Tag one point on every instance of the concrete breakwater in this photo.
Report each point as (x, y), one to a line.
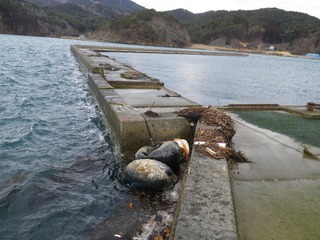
(125, 95)
(140, 111)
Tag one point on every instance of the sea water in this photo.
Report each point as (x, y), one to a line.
(58, 175)
(222, 80)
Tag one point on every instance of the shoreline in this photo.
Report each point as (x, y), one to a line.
(206, 47)
(247, 51)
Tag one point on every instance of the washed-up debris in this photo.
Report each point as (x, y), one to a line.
(158, 227)
(215, 139)
(211, 117)
(109, 67)
(193, 114)
(151, 113)
(212, 143)
(133, 75)
(168, 96)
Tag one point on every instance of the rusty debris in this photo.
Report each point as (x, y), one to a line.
(215, 140)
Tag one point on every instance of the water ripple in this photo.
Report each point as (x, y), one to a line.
(57, 170)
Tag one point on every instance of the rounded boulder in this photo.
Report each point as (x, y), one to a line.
(150, 175)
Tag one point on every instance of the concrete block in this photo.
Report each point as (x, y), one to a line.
(167, 126)
(98, 81)
(206, 203)
(207, 210)
(163, 97)
(128, 128)
(86, 64)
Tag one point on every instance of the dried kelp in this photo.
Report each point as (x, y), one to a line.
(215, 138)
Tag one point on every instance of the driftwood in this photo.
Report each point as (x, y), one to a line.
(215, 140)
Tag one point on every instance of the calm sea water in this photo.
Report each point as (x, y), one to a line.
(225, 80)
(58, 175)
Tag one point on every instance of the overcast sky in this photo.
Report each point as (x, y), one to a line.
(311, 7)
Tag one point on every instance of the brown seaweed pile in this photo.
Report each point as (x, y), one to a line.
(215, 137)
(133, 75)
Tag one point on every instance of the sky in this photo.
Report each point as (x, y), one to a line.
(311, 7)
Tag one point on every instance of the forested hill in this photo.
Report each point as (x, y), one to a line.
(124, 5)
(257, 29)
(21, 17)
(85, 17)
(126, 21)
(145, 27)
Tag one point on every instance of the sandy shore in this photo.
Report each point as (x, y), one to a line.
(211, 47)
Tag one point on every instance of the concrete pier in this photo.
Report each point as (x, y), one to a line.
(139, 111)
(125, 95)
(276, 194)
(207, 210)
(298, 110)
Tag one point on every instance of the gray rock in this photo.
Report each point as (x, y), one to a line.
(150, 175)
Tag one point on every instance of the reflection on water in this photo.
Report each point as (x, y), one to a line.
(211, 80)
(300, 128)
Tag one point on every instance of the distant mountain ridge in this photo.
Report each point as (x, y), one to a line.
(22, 17)
(119, 21)
(121, 4)
(182, 15)
(146, 27)
(87, 15)
(259, 29)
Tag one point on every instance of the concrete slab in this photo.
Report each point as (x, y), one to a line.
(167, 126)
(206, 210)
(87, 65)
(273, 156)
(116, 80)
(276, 196)
(302, 110)
(154, 98)
(172, 109)
(99, 81)
(129, 128)
(268, 210)
(166, 51)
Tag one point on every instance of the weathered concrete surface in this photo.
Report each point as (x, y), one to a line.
(154, 98)
(276, 196)
(273, 156)
(206, 203)
(207, 210)
(299, 110)
(302, 110)
(143, 49)
(121, 100)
